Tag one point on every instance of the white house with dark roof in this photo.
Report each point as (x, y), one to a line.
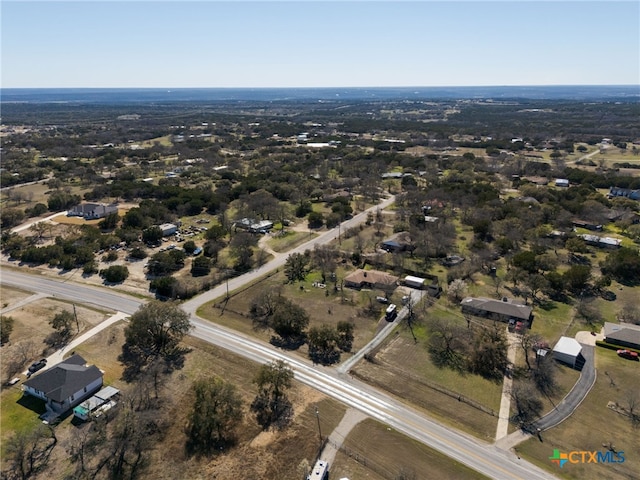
(65, 385)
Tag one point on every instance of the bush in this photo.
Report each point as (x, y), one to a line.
(115, 273)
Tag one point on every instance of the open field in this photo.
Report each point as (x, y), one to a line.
(374, 451)
(462, 400)
(9, 296)
(290, 239)
(594, 426)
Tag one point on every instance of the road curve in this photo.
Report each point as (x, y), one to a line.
(484, 458)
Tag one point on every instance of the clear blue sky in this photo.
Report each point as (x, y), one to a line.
(318, 44)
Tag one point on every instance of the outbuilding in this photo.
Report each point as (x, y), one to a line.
(414, 282)
(168, 229)
(569, 351)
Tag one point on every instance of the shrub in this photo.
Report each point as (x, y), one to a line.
(115, 273)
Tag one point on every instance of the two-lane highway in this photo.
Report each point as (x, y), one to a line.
(482, 457)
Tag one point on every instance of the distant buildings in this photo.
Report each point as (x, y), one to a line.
(253, 226)
(624, 192)
(92, 211)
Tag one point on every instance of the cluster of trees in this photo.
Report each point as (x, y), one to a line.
(289, 322)
(479, 349)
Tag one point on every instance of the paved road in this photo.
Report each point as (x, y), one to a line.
(484, 458)
(574, 398)
(190, 306)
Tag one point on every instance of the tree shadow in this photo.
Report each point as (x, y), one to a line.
(288, 343)
(322, 357)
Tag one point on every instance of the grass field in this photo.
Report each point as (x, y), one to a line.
(594, 425)
(374, 451)
(405, 370)
(290, 239)
(322, 304)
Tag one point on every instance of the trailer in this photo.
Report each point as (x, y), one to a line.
(320, 471)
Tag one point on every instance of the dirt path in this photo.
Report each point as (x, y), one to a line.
(351, 418)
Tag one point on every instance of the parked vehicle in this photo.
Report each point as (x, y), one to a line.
(391, 312)
(35, 366)
(628, 354)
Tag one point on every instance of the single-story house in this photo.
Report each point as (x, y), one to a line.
(253, 226)
(92, 211)
(398, 242)
(569, 351)
(65, 385)
(598, 241)
(370, 279)
(588, 225)
(504, 311)
(622, 334)
(624, 192)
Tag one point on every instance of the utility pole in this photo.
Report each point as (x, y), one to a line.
(75, 314)
(319, 430)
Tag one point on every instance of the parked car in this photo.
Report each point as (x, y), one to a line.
(35, 366)
(628, 354)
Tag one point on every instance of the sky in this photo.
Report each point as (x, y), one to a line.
(352, 43)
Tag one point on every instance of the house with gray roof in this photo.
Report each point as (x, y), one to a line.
(502, 310)
(65, 385)
(622, 334)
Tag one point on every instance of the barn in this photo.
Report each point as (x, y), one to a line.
(569, 351)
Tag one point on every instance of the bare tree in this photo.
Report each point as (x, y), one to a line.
(527, 341)
(28, 452)
(448, 343)
(632, 398)
(528, 405)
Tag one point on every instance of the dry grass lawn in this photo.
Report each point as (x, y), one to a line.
(374, 451)
(405, 370)
(322, 305)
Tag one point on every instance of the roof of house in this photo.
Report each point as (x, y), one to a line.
(568, 346)
(507, 308)
(64, 379)
(627, 332)
(371, 276)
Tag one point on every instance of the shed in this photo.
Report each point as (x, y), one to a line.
(168, 229)
(569, 351)
(414, 282)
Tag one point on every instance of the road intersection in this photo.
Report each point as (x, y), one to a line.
(484, 458)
